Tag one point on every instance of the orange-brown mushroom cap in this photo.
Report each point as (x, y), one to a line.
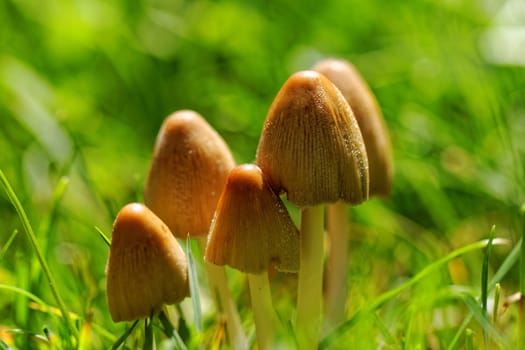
(369, 117)
(311, 146)
(188, 171)
(146, 267)
(252, 227)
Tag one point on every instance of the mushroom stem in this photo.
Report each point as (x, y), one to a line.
(266, 321)
(310, 283)
(336, 288)
(224, 301)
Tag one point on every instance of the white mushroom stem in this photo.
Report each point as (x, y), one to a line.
(336, 288)
(224, 301)
(310, 283)
(266, 321)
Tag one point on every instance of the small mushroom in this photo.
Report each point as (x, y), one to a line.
(378, 148)
(311, 148)
(252, 230)
(188, 170)
(146, 266)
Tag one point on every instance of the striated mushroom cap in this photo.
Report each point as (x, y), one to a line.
(146, 266)
(188, 171)
(252, 227)
(369, 117)
(311, 146)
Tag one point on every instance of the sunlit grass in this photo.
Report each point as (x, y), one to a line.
(85, 85)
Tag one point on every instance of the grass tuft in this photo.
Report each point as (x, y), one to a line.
(31, 235)
(329, 340)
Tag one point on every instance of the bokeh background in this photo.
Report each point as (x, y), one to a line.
(86, 84)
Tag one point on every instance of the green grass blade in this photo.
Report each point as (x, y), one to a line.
(31, 235)
(387, 335)
(194, 287)
(103, 236)
(480, 316)
(382, 299)
(103, 332)
(27, 294)
(485, 271)
(521, 333)
(468, 339)
(179, 344)
(4, 346)
(149, 338)
(497, 293)
(460, 331)
(171, 332)
(507, 264)
(522, 260)
(484, 282)
(8, 244)
(124, 336)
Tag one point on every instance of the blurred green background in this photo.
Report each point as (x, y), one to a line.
(86, 84)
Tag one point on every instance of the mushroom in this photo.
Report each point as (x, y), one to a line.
(311, 148)
(146, 266)
(378, 148)
(251, 231)
(188, 171)
(369, 117)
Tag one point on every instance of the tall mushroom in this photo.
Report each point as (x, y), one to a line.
(188, 171)
(378, 148)
(369, 118)
(251, 230)
(311, 148)
(146, 265)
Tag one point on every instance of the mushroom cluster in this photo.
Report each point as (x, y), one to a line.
(324, 143)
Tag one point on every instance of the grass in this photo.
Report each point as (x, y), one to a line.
(85, 85)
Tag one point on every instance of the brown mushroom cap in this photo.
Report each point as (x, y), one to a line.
(311, 146)
(188, 171)
(369, 117)
(252, 227)
(146, 266)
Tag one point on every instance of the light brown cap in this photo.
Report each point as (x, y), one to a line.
(310, 146)
(369, 117)
(146, 267)
(188, 171)
(252, 227)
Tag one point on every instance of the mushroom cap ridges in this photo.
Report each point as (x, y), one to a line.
(188, 171)
(369, 117)
(252, 228)
(311, 146)
(146, 267)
